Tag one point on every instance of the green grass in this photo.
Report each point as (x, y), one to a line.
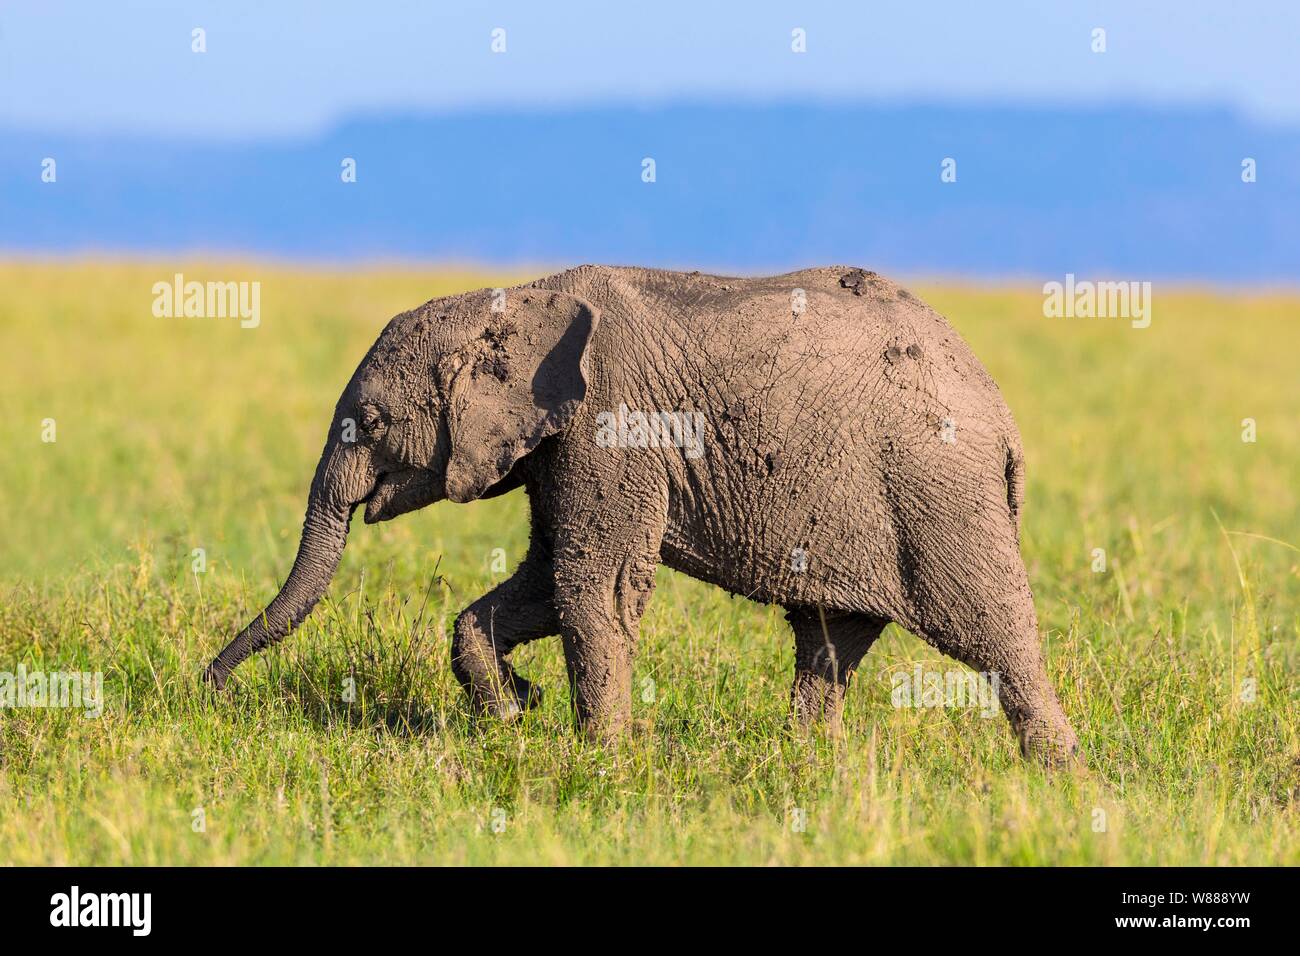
(176, 434)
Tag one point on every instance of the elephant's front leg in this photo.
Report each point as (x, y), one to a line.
(516, 611)
(604, 576)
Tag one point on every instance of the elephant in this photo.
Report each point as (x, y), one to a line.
(820, 440)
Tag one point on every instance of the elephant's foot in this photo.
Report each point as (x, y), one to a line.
(817, 704)
(493, 687)
(602, 704)
(505, 697)
(517, 695)
(605, 729)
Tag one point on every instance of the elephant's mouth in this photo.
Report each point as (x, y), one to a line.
(398, 492)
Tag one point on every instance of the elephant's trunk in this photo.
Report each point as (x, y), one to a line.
(343, 479)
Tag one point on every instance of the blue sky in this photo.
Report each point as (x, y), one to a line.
(1127, 162)
(288, 69)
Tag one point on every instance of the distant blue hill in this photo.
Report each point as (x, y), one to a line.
(1125, 192)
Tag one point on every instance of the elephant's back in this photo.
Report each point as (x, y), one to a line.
(850, 323)
(803, 342)
(845, 310)
(898, 346)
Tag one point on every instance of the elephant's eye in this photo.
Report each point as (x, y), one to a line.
(372, 420)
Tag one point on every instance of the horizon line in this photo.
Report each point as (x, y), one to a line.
(886, 104)
(307, 265)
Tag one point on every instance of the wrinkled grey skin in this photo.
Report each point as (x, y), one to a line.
(856, 465)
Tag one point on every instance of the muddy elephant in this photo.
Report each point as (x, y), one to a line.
(820, 440)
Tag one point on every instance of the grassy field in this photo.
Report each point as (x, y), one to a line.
(1177, 663)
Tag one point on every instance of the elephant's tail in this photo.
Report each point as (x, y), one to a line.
(1015, 473)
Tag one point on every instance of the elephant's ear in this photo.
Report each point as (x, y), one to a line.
(519, 380)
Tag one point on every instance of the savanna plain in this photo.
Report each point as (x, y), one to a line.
(1161, 546)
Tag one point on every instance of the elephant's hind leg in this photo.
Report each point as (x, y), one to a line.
(518, 610)
(970, 599)
(828, 646)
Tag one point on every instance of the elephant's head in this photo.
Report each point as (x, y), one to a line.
(446, 402)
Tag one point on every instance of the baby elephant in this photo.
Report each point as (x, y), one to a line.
(820, 440)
